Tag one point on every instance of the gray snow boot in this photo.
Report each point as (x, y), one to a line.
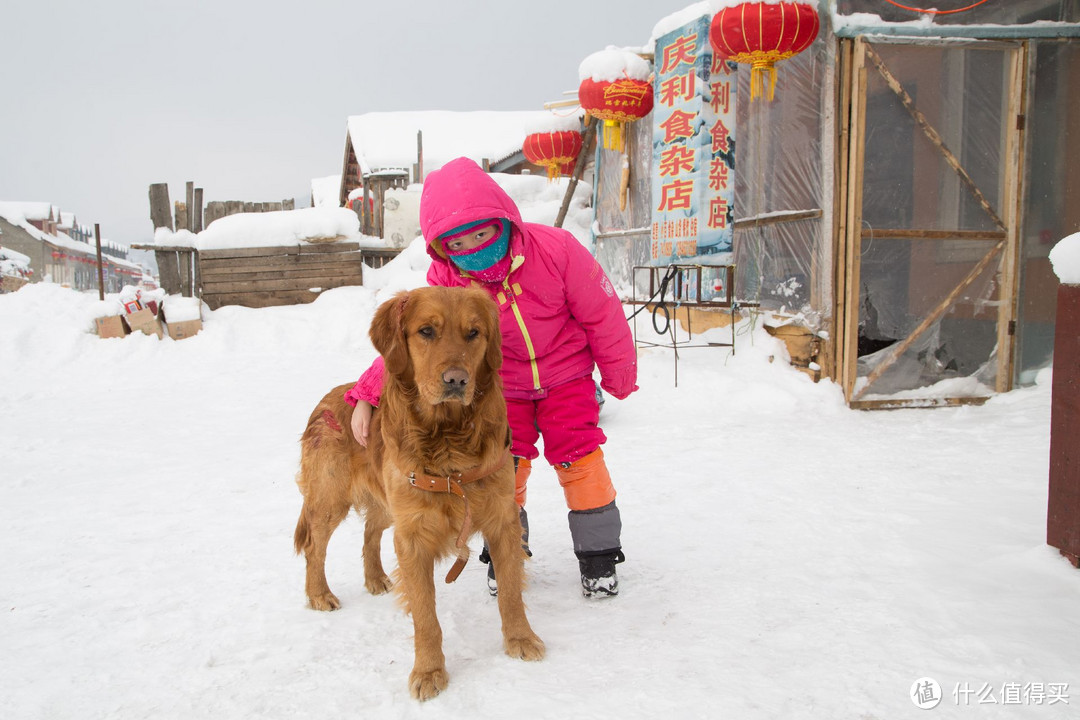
(598, 577)
(596, 534)
(485, 557)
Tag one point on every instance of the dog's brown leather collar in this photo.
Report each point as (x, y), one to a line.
(454, 485)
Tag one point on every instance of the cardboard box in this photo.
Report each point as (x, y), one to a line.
(190, 309)
(146, 321)
(183, 329)
(111, 326)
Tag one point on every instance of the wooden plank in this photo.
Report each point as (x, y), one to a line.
(935, 314)
(1012, 169)
(579, 168)
(833, 361)
(312, 277)
(184, 265)
(329, 247)
(249, 252)
(279, 284)
(168, 271)
(853, 240)
(160, 210)
(197, 211)
(189, 196)
(910, 234)
(932, 134)
(773, 219)
(915, 403)
(279, 265)
(260, 299)
(181, 216)
(341, 270)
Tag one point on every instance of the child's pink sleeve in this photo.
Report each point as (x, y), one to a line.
(369, 386)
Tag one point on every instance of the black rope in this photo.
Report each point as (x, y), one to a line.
(670, 275)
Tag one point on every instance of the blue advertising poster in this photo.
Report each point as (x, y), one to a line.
(693, 174)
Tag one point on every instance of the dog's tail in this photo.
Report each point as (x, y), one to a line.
(302, 536)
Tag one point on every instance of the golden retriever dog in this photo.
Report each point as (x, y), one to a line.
(437, 467)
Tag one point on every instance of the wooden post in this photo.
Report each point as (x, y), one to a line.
(168, 271)
(181, 216)
(365, 210)
(190, 198)
(1063, 512)
(100, 267)
(579, 168)
(160, 211)
(1012, 169)
(419, 156)
(197, 212)
(848, 362)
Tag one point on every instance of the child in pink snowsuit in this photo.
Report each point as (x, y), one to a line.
(560, 318)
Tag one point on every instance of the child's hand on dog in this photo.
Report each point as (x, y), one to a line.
(361, 421)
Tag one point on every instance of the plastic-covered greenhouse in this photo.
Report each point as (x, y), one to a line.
(896, 199)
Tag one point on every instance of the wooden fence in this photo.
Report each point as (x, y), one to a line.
(265, 276)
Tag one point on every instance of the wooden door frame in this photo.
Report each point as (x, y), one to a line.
(855, 54)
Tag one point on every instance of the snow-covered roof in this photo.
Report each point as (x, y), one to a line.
(383, 140)
(16, 212)
(324, 191)
(21, 213)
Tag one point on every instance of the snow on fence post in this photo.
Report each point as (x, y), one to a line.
(1063, 512)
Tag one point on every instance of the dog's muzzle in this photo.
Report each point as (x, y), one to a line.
(454, 383)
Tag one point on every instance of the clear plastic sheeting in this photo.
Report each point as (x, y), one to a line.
(782, 244)
(932, 232)
(622, 187)
(1051, 209)
(902, 283)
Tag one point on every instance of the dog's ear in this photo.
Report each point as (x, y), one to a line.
(388, 333)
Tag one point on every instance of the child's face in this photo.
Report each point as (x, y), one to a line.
(464, 243)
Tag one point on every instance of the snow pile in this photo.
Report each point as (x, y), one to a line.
(1065, 257)
(786, 557)
(14, 263)
(613, 64)
(283, 227)
(324, 191)
(181, 309)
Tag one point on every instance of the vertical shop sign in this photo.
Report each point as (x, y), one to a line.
(693, 173)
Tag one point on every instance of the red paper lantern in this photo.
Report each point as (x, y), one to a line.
(762, 34)
(616, 103)
(553, 150)
(55, 255)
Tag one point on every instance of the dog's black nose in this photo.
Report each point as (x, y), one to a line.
(455, 380)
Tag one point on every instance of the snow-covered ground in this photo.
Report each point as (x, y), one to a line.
(786, 557)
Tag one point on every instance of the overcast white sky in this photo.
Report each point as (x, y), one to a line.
(249, 99)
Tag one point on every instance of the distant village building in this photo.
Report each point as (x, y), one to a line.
(62, 251)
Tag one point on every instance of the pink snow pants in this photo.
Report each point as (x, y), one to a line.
(567, 420)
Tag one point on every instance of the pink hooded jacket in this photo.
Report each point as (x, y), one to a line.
(558, 311)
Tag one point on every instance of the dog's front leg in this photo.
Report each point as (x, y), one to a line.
(417, 572)
(508, 558)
